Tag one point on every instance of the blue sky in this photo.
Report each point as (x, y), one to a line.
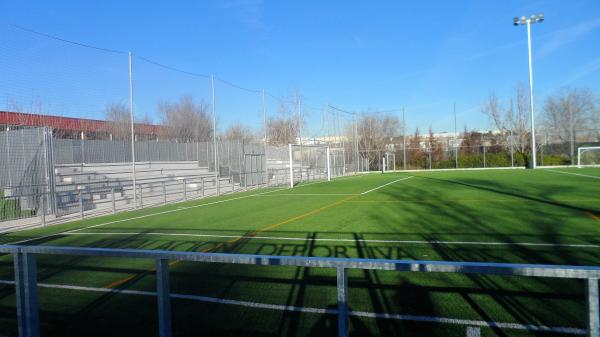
(421, 55)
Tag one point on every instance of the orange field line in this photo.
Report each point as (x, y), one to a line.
(593, 216)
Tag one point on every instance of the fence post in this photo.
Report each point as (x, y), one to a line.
(184, 190)
(484, 164)
(164, 188)
(43, 208)
(593, 308)
(141, 197)
(164, 297)
(342, 298)
(202, 185)
(112, 198)
(26, 293)
(232, 185)
(80, 204)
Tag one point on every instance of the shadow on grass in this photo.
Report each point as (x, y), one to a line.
(487, 298)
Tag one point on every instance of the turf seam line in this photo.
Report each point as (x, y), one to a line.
(483, 243)
(402, 317)
(384, 185)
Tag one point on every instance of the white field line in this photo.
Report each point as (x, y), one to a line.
(575, 174)
(384, 185)
(414, 318)
(418, 242)
(305, 194)
(325, 181)
(462, 169)
(178, 209)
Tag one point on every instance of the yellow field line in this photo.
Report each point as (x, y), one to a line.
(307, 214)
(221, 244)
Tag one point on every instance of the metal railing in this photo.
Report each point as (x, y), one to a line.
(104, 197)
(26, 277)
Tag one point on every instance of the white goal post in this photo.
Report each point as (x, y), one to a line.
(592, 156)
(308, 163)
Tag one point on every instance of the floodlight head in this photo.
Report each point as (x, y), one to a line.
(516, 21)
(532, 19)
(523, 20)
(540, 18)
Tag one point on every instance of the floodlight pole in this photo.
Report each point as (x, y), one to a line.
(529, 21)
(533, 149)
(132, 127)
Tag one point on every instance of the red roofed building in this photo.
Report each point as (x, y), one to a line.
(73, 128)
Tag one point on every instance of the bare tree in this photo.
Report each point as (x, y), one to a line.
(117, 115)
(186, 120)
(375, 132)
(569, 112)
(285, 128)
(282, 130)
(512, 120)
(239, 132)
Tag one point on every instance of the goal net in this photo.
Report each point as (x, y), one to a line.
(588, 156)
(308, 163)
(337, 162)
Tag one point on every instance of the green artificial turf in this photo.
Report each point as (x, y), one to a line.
(483, 215)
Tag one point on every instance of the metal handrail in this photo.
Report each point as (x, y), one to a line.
(26, 276)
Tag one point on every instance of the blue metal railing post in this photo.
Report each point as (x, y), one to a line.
(342, 299)
(164, 297)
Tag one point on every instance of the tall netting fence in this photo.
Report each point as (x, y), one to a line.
(24, 171)
(485, 150)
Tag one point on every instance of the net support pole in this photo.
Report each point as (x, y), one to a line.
(328, 165)
(214, 124)
(132, 127)
(291, 166)
(264, 112)
(579, 158)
